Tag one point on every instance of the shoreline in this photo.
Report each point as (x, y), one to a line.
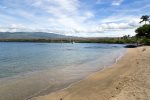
(77, 81)
(80, 80)
(78, 90)
(68, 85)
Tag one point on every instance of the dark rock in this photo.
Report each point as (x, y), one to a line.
(130, 46)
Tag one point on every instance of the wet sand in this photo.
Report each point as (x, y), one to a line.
(128, 79)
(34, 84)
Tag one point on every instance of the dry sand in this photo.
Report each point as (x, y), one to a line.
(128, 79)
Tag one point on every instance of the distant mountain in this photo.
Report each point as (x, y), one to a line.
(29, 35)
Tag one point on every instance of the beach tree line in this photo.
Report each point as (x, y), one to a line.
(143, 32)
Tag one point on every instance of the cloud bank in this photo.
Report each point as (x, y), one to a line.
(72, 17)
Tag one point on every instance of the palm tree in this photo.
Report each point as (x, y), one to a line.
(145, 18)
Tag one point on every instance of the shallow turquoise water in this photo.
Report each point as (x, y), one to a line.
(21, 58)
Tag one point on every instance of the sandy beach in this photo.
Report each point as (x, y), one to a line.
(128, 79)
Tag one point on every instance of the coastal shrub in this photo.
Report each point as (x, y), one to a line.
(143, 31)
(145, 41)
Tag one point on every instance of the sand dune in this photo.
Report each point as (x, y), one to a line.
(128, 79)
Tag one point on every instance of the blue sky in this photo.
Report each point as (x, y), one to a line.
(104, 18)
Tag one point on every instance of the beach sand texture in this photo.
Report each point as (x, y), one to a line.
(128, 79)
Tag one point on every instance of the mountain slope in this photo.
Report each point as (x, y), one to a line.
(29, 35)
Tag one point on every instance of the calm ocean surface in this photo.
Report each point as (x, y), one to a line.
(31, 69)
(20, 58)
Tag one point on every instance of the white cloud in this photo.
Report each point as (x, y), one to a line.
(74, 29)
(13, 28)
(117, 2)
(72, 17)
(118, 26)
(17, 26)
(3, 30)
(112, 2)
(62, 6)
(120, 18)
(120, 22)
(65, 14)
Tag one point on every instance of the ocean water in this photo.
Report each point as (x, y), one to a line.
(18, 58)
(32, 69)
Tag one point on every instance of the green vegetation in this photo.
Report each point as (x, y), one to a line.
(107, 40)
(145, 18)
(76, 40)
(143, 32)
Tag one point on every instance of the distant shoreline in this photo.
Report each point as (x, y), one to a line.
(73, 40)
(43, 37)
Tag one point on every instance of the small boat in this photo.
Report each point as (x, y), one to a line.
(73, 42)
